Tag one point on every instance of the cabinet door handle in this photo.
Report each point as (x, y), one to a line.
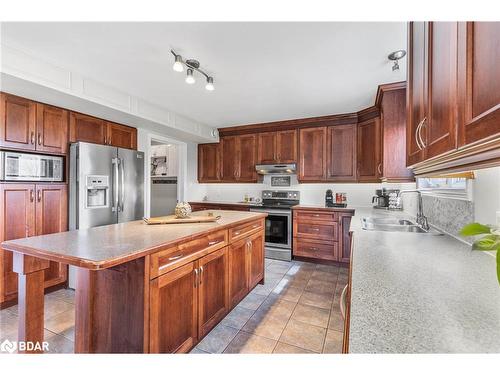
(39, 139)
(313, 248)
(175, 257)
(420, 132)
(201, 275)
(195, 277)
(39, 195)
(236, 233)
(32, 138)
(315, 229)
(32, 195)
(416, 135)
(379, 168)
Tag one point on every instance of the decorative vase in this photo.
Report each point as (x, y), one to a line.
(182, 210)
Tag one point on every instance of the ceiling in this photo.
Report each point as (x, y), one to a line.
(262, 71)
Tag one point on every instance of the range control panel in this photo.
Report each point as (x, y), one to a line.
(280, 194)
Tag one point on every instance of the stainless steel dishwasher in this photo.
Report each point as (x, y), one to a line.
(163, 196)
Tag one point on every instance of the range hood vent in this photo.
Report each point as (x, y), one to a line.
(276, 168)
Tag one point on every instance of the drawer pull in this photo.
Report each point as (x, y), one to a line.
(236, 233)
(313, 248)
(316, 215)
(210, 243)
(315, 229)
(175, 257)
(255, 226)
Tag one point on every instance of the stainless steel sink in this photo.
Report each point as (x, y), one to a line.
(387, 220)
(393, 225)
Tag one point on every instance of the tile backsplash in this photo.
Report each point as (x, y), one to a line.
(447, 214)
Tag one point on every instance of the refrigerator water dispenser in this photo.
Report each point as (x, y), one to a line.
(97, 189)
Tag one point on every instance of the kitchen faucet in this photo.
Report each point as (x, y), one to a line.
(421, 218)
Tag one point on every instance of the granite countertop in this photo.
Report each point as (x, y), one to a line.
(321, 207)
(232, 203)
(110, 245)
(420, 293)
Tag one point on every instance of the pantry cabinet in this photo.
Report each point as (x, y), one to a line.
(28, 210)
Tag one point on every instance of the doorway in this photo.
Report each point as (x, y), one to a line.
(165, 175)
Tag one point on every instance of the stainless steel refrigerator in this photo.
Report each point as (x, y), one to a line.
(106, 186)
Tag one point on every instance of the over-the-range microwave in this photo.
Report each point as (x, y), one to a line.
(18, 166)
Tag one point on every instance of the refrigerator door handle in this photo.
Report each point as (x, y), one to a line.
(115, 162)
(122, 184)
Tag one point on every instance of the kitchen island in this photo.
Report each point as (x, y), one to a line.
(144, 288)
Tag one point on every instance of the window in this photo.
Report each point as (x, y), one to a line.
(457, 186)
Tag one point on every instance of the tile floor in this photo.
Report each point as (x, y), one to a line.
(295, 311)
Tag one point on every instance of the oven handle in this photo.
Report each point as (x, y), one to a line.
(272, 211)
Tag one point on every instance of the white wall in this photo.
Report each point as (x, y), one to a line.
(486, 195)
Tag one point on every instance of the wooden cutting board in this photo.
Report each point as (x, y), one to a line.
(171, 219)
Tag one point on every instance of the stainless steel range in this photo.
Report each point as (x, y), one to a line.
(278, 205)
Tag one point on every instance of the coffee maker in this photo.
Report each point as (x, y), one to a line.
(329, 202)
(387, 199)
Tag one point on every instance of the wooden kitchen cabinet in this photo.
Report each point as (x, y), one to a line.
(239, 156)
(17, 122)
(341, 153)
(28, 210)
(87, 129)
(213, 289)
(255, 259)
(391, 99)
(52, 126)
(121, 135)
(238, 271)
(312, 154)
(440, 123)
(369, 153)
(209, 162)
(91, 129)
(174, 310)
(246, 158)
(278, 147)
(478, 77)
(51, 212)
(27, 125)
(416, 96)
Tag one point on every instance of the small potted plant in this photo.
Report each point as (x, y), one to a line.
(490, 241)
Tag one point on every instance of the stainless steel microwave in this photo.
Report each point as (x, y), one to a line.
(18, 166)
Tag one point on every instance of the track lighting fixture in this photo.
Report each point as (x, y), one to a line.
(192, 66)
(396, 56)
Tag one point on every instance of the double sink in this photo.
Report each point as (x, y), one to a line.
(393, 225)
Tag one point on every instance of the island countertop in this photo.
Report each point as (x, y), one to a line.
(420, 293)
(110, 245)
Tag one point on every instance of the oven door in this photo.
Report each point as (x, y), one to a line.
(278, 227)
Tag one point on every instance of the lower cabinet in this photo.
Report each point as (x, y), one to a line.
(30, 210)
(188, 301)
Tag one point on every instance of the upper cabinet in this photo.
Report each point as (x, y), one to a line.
(277, 147)
(121, 136)
(239, 156)
(28, 125)
(312, 154)
(84, 128)
(391, 100)
(341, 153)
(478, 80)
(453, 99)
(209, 162)
(369, 151)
